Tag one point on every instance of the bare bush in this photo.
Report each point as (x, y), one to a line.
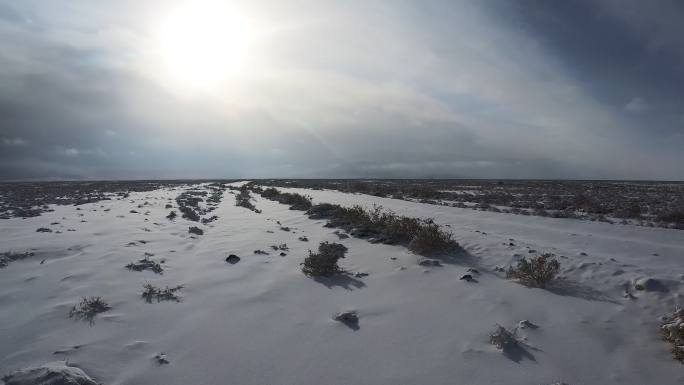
(537, 272)
(419, 235)
(502, 338)
(151, 292)
(146, 264)
(324, 263)
(195, 230)
(296, 201)
(672, 329)
(429, 239)
(244, 199)
(6, 258)
(189, 213)
(88, 308)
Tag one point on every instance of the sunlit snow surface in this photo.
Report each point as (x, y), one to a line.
(261, 321)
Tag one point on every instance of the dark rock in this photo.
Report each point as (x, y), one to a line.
(349, 318)
(232, 259)
(466, 277)
(43, 230)
(161, 359)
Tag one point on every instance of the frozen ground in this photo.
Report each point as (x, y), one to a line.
(261, 321)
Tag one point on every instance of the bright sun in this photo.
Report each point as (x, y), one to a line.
(204, 43)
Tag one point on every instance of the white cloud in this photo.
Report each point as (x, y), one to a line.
(14, 141)
(70, 152)
(637, 105)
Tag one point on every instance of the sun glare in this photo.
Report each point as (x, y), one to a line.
(204, 43)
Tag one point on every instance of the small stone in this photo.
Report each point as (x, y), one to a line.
(161, 359)
(466, 277)
(232, 259)
(525, 324)
(349, 318)
(429, 262)
(43, 230)
(360, 275)
(282, 254)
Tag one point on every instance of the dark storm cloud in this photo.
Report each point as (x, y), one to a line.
(408, 89)
(628, 53)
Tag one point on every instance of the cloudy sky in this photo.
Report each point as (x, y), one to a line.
(314, 88)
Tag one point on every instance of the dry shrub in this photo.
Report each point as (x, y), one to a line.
(537, 272)
(146, 264)
(296, 201)
(430, 239)
(672, 329)
(324, 263)
(502, 338)
(88, 308)
(151, 292)
(419, 235)
(244, 199)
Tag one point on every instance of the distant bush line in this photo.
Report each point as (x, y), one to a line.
(422, 236)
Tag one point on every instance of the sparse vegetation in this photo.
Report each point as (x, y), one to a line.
(420, 236)
(537, 272)
(281, 247)
(146, 264)
(672, 329)
(324, 263)
(189, 213)
(151, 292)
(244, 199)
(295, 201)
(640, 203)
(7, 258)
(172, 215)
(88, 308)
(195, 230)
(502, 338)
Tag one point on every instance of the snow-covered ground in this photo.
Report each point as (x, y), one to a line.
(261, 321)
